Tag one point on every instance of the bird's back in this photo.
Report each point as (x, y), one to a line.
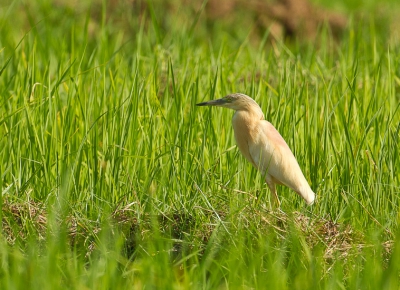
(273, 156)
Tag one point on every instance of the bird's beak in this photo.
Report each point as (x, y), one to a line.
(218, 102)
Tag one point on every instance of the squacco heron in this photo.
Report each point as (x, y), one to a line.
(263, 146)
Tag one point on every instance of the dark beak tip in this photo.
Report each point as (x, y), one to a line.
(218, 102)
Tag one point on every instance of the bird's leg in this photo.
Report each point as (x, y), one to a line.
(272, 188)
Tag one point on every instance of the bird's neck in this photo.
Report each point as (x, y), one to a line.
(244, 124)
(244, 120)
(250, 113)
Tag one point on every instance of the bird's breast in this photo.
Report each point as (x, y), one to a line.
(245, 134)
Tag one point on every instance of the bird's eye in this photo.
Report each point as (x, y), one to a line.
(228, 99)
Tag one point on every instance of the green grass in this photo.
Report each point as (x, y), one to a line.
(112, 178)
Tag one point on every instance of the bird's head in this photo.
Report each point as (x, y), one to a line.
(235, 102)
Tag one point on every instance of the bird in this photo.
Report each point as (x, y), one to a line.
(262, 145)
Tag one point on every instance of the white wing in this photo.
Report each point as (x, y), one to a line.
(274, 157)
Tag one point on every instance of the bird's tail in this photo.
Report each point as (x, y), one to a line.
(307, 194)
